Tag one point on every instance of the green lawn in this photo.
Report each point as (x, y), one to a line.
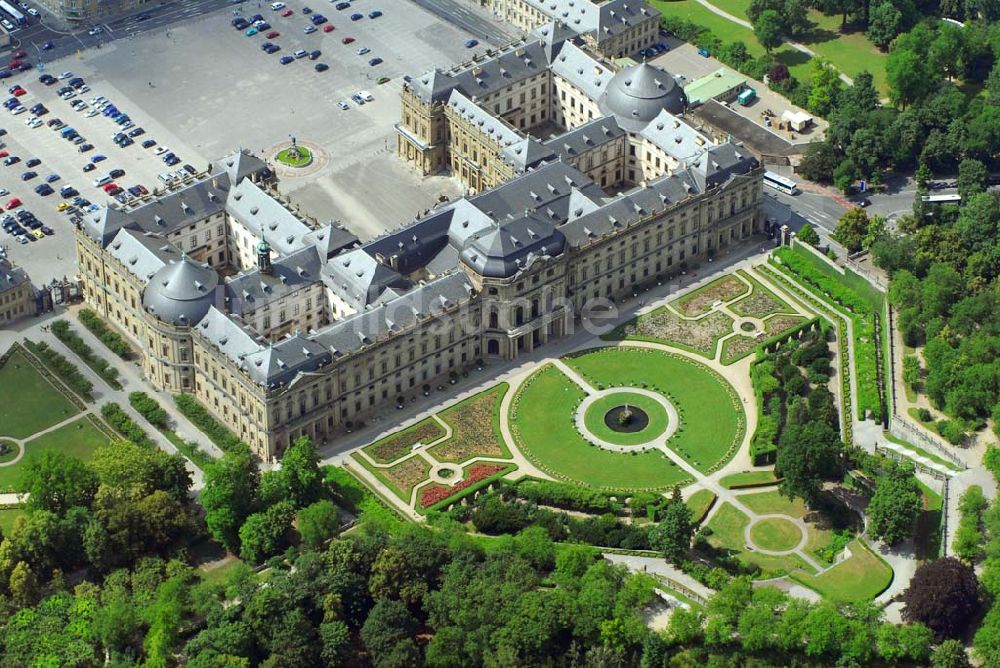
(31, 403)
(700, 503)
(303, 158)
(542, 421)
(78, 438)
(9, 450)
(727, 31)
(850, 52)
(594, 418)
(7, 517)
(775, 533)
(862, 577)
(748, 479)
(728, 525)
(772, 502)
(712, 420)
(927, 539)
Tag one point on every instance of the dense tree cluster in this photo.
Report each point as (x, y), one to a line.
(130, 501)
(251, 513)
(933, 123)
(944, 287)
(893, 509)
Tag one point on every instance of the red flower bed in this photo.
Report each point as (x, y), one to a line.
(433, 494)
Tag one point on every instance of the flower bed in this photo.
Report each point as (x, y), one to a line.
(396, 445)
(760, 304)
(436, 493)
(737, 347)
(781, 323)
(662, 326)
(475, 428)
(405, 475)
(700, 301)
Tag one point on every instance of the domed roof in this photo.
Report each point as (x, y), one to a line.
(637, 94)
(181, 292)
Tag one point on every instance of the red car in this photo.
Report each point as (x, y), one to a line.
(347, 40)
(13, 203)
(20, 53)
(287, 13)
(108, 187)
(18, 92)
(115, 191)
(328, 27)
(273, 34)
(14, 64)
(4, 154)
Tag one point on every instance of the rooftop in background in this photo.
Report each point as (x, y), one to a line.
(713, 85)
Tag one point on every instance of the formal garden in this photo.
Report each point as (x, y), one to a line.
(724, 320)
(444, 456)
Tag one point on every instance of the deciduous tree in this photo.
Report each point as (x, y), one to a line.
(943, 595)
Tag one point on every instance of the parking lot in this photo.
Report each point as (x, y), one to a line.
(205, 89)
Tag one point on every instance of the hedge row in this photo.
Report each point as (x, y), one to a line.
(563, 495)
(120, 421)
(63, 368)
(101, 367)
(112, 339)
(211, 427)
(862, 311)
(149, 408)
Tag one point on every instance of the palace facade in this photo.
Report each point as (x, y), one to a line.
(282, 327)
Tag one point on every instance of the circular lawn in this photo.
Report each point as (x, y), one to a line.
(711, 419)
(775, 534)
(300, 156)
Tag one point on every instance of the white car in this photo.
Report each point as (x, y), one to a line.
(366, 95)
(97, 99)
(94, 31)
(4, 192)
(83, 89)
(30, 120)
(68, 95)
(309, 30)
(33, 11)
(363, 50)
(276, 6)
(160, 150)
(7, 24)
(92, 113)
(65, 75)
(343, 105)
(301, 53)
(18, 110)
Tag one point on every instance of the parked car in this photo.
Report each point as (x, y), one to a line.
(286, 59)
(321, 67)
(309, 30)
(329, 27)
(347, 40)
(470, 43)
(375, 14)
(375, 61)
(357, 17)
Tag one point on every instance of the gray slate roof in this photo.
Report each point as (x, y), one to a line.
(638, 93)
(253, 289)
(11, 276)
(282, 362)
(583, 71)
(259, 212)
(240, 164)
(677, 139)
(367, 327)
(586, 137)
(358, 279)
(330, 240)
(604, 18)
(142, 253)
(181, 292)
(168, 213)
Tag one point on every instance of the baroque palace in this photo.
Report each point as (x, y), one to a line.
(584, 182)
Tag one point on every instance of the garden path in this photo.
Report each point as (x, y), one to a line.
(746, 24)
(103, 393)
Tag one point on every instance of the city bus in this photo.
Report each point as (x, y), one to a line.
(778, 182)
(942, 199)
(11, 11)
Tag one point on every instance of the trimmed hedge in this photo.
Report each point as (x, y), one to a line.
(211, 427)
(563, 495)
(149, 408)
(63, 368)
(112, 339)
(101, 367)
(120, 421)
